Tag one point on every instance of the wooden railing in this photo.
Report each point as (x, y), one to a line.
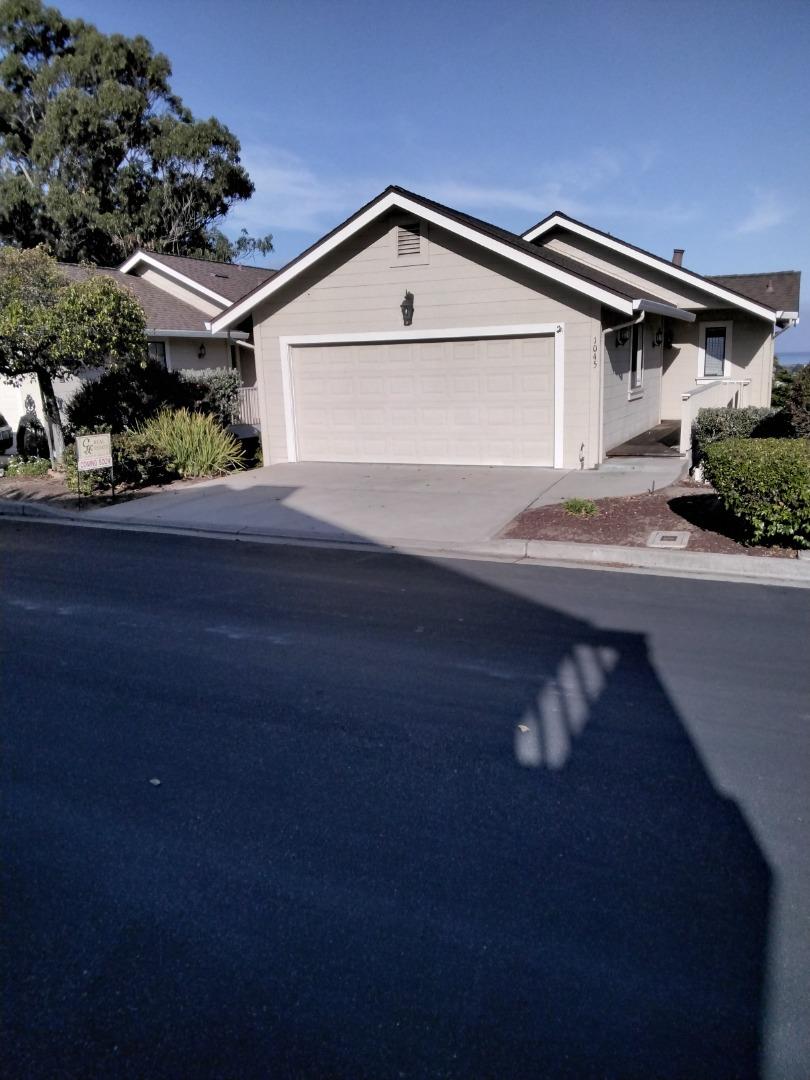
(717, 394)
(249, 405)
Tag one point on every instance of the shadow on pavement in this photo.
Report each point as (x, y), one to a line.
(409, 824)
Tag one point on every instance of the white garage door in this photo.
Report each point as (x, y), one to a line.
(460, 402)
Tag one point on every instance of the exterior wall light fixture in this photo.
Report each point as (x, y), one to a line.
(406, 307)
(623, 335)
(201, 352)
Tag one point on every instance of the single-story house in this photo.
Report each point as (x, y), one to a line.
(179, 297)
(416, 333)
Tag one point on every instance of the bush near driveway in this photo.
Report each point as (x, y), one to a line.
(765, 483)
(798, 404)
(713, 425)
(19, 466)
(136, 463)
(216, 391)
(194, 442)
(127, 396)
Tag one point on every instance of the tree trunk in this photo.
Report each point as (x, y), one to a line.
(53, 421)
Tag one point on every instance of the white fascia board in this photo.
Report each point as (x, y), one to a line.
(204, 335)
(395, 201)
(193, 286)
(685, 276)
(656, 308)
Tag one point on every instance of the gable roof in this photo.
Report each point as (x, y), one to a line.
(711, 286)
(164, 312)
(222, 282)
(779, 289)
(577, 276)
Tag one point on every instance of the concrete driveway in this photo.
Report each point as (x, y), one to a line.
(332, 501)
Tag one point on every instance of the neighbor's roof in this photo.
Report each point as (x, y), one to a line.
(231, 280)
(779, 289)
(730, 285)
(579, 276)
(163, 311)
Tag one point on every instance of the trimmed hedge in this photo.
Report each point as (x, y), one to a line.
(765, 483)
(714, 425)
(216, 391)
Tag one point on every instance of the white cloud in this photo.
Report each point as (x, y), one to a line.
(291, 195)
(767, 212)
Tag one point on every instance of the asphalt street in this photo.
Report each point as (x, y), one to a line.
(281, 812)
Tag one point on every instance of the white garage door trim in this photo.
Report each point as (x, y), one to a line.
(557, 330)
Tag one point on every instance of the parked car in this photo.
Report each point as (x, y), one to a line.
(6, 435)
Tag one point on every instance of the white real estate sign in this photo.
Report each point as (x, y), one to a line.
(93, 452)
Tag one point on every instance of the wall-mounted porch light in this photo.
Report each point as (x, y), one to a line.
(406, 307)
(201, 352)
(659, 336)
(623, 335)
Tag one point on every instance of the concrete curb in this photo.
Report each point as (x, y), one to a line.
(739, 568)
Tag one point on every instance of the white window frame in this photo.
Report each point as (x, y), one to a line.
(634, 392)
(555, 330)
(166, 352)
(701, 365)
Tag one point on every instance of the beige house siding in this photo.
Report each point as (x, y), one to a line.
(176, 288)
(752, 350)
(181, 353)
(629, 271)
(623, 417)
(359, 289)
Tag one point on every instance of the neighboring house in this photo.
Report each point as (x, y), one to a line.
(416, 333)
(179, 296)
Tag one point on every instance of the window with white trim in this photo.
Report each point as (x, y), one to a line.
(157, 352)
(637, 359)
(714, 352)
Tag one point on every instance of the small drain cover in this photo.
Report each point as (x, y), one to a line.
(662, 539)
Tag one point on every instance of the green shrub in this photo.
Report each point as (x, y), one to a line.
(216, 391)
(136, 464)
(19, 466)
(194, 442)
(580, 507)
(798, 404)
(127, 396)
(765, 483)
(714, 425)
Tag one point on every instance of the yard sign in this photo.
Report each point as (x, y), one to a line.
(93, 452)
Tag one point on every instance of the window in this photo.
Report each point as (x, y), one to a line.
(714, 352)
(157, 351)
(637, 359)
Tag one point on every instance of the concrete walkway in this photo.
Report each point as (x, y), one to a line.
(381, 503)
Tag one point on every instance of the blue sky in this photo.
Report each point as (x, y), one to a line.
(671, 125)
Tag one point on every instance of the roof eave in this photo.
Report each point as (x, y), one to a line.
(647, 258)
(656, 308)
(392, 199)
(138, 257)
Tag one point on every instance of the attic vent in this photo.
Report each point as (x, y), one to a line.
(409, 239)
(220, 275)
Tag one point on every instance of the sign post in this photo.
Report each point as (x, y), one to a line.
(94, 452)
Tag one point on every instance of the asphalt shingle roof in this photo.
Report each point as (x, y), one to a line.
(779, 290)
(231, 280)
(163, 311)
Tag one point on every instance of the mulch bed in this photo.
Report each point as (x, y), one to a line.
(629, 520)
(51, 490)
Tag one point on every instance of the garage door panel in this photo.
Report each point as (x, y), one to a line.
(488, 401)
